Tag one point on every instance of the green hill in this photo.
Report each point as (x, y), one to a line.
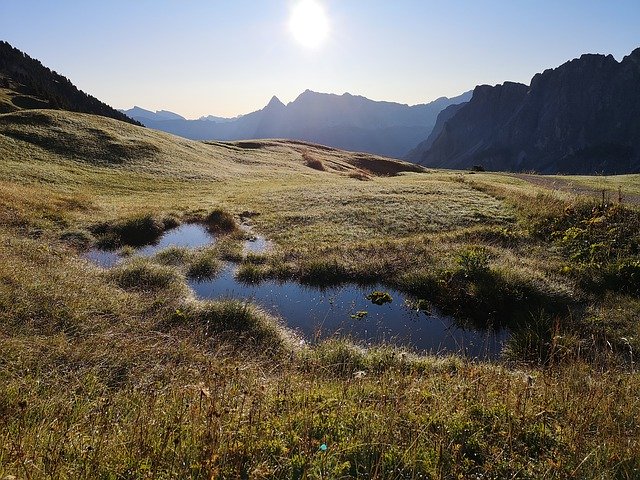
(124, 374)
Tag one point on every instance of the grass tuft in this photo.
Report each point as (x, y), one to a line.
(144, 276)
(238, 322)
(204, 264)
(220, 221)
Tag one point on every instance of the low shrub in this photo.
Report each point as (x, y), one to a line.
(473, 262)
(313, 162)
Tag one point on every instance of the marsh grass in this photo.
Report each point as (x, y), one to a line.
(204, 264)
(234, 321)
(249, 272)
(220, 221)
(145, 276)
(135, 231)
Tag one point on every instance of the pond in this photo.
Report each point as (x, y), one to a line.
(319, 313)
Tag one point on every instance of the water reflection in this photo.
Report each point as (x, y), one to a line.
(345, 311)
(321, 313)
(187, 235)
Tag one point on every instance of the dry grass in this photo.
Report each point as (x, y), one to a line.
(123, 374)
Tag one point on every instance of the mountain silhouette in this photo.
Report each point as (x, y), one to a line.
(345, 121)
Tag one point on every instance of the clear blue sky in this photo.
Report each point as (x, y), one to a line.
(228, 57)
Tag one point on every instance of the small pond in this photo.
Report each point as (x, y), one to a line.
(187, 235)
(320, 313)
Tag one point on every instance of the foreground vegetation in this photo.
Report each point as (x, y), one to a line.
(123, 374)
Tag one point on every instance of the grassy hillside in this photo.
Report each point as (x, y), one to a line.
(123, 374)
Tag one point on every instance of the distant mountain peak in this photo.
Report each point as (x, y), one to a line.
(142, 114)
(633, 56)
(344, 121)
(274, 103)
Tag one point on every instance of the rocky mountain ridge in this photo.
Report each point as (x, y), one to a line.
(582, 117)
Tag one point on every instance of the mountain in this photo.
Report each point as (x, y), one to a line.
(213, 118)
(582, 118)
(27, 84)
(444, 116)
(140, 114)
(345, 121)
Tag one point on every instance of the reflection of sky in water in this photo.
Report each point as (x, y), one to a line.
(321, 313)
(187, 235)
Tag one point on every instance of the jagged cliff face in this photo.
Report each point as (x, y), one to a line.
(582, 117)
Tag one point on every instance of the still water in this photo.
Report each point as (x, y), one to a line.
(319, 313)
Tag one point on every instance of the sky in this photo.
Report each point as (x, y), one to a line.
(229, 57)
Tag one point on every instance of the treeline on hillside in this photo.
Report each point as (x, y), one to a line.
(48, 85)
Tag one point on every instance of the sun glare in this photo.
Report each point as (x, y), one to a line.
(308, 23)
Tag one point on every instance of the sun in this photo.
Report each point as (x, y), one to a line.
(309, 23)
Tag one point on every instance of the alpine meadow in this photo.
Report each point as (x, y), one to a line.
(515, 277)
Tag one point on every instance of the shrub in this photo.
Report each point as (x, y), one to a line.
(313, 162)
(473, 262)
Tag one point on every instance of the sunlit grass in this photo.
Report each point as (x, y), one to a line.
(123, 374)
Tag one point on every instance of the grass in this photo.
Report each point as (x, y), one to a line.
(123, 374)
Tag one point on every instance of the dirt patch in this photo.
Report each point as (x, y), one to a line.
(564, 185)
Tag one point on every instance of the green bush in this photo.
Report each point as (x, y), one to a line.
(473, 262)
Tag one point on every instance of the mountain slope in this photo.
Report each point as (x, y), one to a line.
(26, 84)
(343, 121)
(444, 116)
(582, 117)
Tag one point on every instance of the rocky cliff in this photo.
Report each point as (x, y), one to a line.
(582, 117)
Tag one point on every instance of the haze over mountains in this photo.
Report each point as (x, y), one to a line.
(343, 121)
(582, 117)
